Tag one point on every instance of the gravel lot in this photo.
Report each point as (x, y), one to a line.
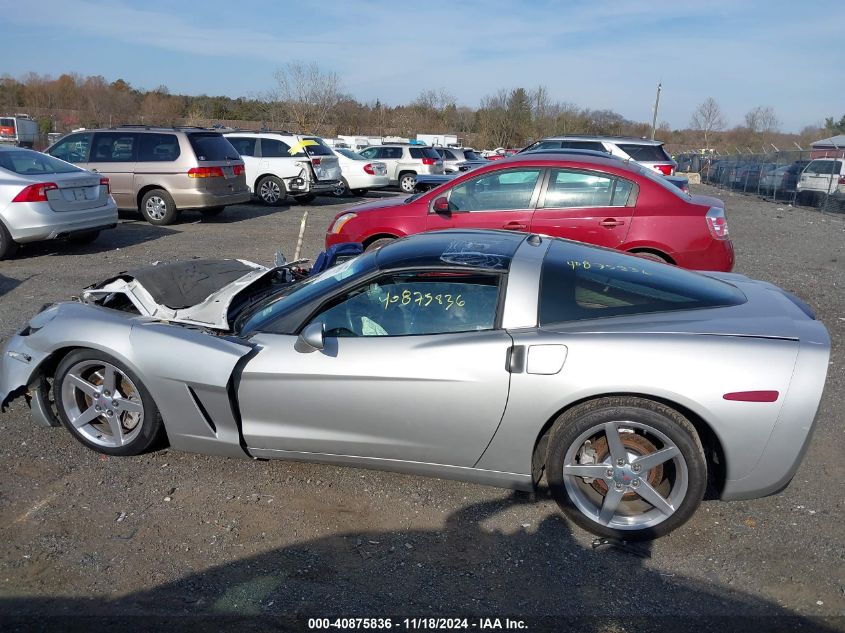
(172, 534)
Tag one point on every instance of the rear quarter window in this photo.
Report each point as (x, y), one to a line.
(579, 283)
(424, 152)
(156, 148)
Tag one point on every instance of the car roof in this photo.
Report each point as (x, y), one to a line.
(488, 249)
(599, 159)
(609, 139)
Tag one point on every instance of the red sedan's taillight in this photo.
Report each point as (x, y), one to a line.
(35, 193)
(666, 170)
(368, 168)
(237, 169)
(429, 161)
(105, 183)
(205, 172)
(717, 223)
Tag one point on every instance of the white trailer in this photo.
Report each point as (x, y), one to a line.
(439, 140)
(357, 143)
(20, 129)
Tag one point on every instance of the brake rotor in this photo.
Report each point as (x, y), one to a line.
(633, 443)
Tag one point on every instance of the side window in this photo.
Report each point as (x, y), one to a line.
(594, 146)
(579, 282)
(73, 149)
(370, 152)
(548, 145)
(113, 147)
(274, 148)
(447, 155)
(158, 147)
(415, 303)
(244, 144)
(577, 189)
(497, 191)
(391, 152)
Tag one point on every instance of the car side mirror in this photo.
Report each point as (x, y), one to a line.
(311, 339)
(441, 205)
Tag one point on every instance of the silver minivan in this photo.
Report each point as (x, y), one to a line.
(160, 171)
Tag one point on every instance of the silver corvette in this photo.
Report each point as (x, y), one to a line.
(494, 357)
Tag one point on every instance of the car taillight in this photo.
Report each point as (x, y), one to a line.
(316, 161)
(666, 170)
(237, 169)
(842, 180)
(205, 172)
(105, 183)
(717, 223)
(35, 193)
(368, 168)
(429, 161)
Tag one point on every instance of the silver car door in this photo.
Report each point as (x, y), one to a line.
(411, 369)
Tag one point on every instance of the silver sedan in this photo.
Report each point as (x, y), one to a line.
(489, 356)
(44, 198)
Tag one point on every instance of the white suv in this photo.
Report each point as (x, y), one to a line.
(280, 163)
(404, 162)
(821, 177)
(646, 152)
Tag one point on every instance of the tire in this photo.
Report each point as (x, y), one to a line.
(359, 192)
(655, 257)
(342, 190)
(680, 480)
(158, 208)
(135, 413)
(8, 246)
(407, 182)
(271, 191)
(378, 243)
(305, 198)
(211, 212)
(84, 238)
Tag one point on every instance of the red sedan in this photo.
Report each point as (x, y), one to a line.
(596, 200)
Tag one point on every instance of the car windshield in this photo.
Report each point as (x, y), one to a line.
(349, 154)
(212, 146)
(30, 163)
(660, 180)
(299, 293)
(648, 153)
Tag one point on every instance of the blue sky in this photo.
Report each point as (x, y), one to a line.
(597, 54)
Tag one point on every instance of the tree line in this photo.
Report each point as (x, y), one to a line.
(302, 97)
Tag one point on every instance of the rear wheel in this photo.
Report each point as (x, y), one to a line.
(158, 208)
(84, 238)
(105, 405)
(271, 190)
(625, 467)
(378, 243)
(342, 189)
(8, 247)
(407, 182)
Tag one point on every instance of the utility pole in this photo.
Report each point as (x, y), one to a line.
(656, 105)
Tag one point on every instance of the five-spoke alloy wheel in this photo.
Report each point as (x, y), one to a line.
(628, 468)
(104, 405)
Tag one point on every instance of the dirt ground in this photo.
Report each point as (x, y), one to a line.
(176, 537)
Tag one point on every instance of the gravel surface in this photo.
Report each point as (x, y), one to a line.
(173, 534)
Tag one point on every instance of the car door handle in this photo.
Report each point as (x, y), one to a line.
(611, 222)
(515, 226)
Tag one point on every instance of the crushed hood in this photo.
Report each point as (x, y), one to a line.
(194, 292)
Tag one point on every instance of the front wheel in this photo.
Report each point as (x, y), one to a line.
(378, 243)
(626, 468)
(104, 404)
(8, 247)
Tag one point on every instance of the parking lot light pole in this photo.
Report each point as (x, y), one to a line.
(656, 106)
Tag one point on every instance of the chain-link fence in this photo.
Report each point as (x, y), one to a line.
(800, 178)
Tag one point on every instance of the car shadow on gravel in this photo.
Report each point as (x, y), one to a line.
(124, 235)
(539, 574)
(7, 284)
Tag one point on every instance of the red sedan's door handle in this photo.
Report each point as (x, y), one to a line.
(515, 226)
(611, 222)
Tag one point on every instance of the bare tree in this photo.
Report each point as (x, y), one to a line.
(762, 119)
(708, 118)
(308, 93)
